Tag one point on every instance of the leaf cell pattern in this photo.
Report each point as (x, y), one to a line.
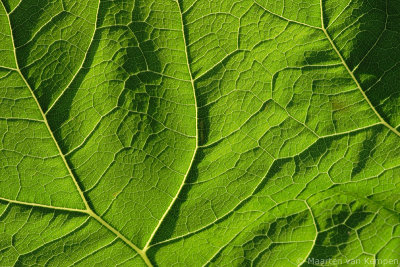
(199, 132)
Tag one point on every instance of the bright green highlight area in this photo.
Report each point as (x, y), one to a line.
(199, 132)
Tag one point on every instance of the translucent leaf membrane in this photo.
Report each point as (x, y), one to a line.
(199, 132)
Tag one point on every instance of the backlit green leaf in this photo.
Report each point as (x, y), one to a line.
(199, 132)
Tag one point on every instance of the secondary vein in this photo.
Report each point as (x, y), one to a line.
(352, 74)
(287, 19)
(147, 246)
(18, 69)
(88, 210)
(30, 204)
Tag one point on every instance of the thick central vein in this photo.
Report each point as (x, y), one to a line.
(88, 209)
(146, 247)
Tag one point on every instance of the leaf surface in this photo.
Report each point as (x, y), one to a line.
(199, 132)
